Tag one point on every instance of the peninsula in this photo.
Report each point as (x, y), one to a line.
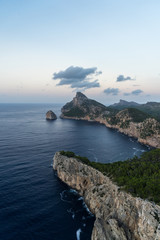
(130, 121)
(119, 215)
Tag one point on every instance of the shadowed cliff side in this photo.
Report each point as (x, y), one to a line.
(119, 216)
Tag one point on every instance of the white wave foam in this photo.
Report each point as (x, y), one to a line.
(72, 212)
(138, 150)
(80, 198)
(73, 191)
(85, 206)
(96, 159)
(131, 140)
(78, 233)
(135, 149)
(63, 196)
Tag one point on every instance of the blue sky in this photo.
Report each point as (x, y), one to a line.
(119, 39)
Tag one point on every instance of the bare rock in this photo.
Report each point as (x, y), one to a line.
(119, 216)
(51, 115)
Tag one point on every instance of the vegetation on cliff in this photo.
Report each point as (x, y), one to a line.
(151, 108)
(136, 115)
(124, 117)
(139, 176)
(81, 106)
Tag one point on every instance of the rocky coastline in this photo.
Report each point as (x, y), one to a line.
(131, 131)
(119, 216)
(146, 131)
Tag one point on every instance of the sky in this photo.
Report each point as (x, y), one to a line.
(50, 49)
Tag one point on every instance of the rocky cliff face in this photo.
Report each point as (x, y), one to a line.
(131, 121)
(81, 107)
(138, 125)
(119, 216)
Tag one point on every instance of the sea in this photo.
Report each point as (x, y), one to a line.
(34, 203)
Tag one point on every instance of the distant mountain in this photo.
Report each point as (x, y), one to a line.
(124, 104)
(151, 108)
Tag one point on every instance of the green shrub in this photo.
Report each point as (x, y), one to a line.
(139, 176)
(67, 154)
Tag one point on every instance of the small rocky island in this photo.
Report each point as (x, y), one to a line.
(50, 115)
(130, 121)
(119, 215)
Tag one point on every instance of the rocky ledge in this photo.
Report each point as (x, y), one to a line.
(51, 115)
(119, 216)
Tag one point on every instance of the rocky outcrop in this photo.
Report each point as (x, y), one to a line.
(131, 122)
(147, 132)
(81, 106)
(51, 115)
(119, 216)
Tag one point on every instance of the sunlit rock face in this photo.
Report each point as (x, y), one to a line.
(119, 216)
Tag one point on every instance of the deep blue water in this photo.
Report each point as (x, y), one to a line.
(34, 203)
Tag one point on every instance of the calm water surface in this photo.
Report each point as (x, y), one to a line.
(34, 203)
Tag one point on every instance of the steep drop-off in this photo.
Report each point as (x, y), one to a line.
(119, 216)
(130, 121)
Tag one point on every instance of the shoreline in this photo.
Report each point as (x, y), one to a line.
(118, 214)
(147, 142)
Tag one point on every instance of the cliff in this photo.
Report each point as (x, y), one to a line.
(119, 216)
(82, 107)
(130, 121)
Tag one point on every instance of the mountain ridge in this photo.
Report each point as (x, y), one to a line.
(151, 108)
(130, 121)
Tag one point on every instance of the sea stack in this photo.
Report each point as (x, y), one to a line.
(50, 115)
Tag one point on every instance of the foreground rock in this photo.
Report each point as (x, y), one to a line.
(51, 115)
(130, 121)
(119, 216)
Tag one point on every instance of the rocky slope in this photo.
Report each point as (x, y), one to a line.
(132, 122)
(82, 107)
(119, 216)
